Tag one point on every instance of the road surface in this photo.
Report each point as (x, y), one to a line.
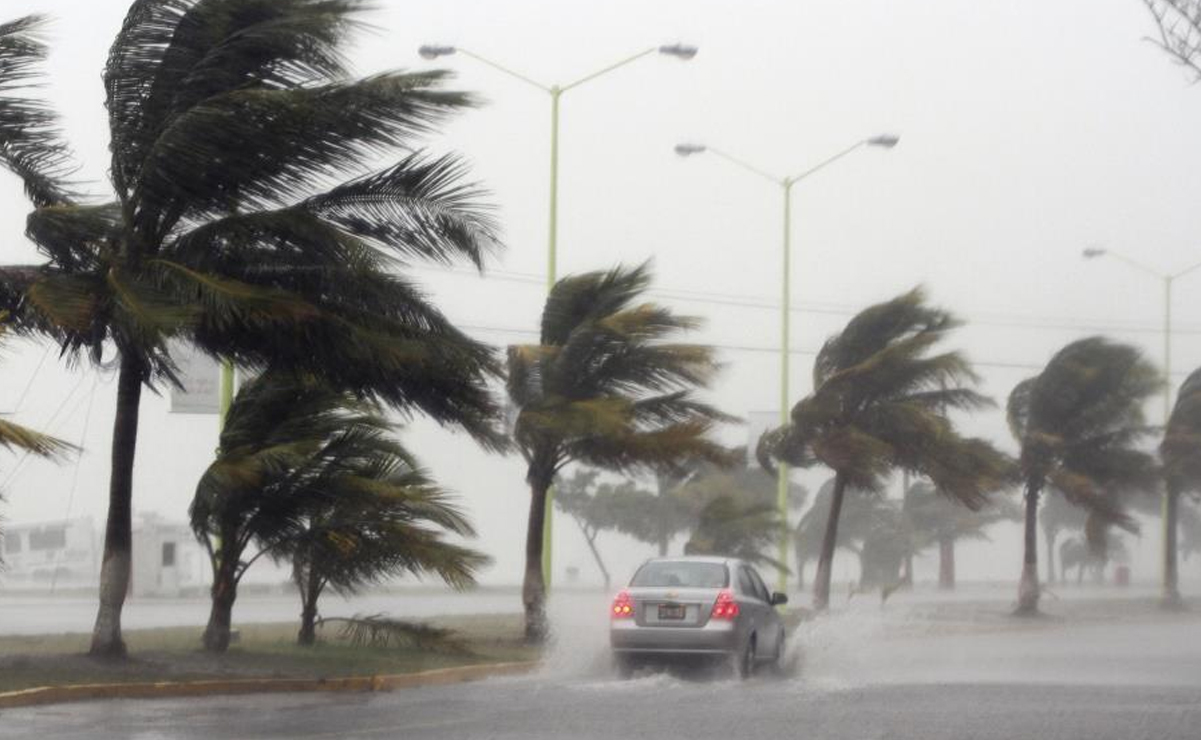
(859, 674)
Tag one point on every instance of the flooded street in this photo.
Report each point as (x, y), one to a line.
(919, 668)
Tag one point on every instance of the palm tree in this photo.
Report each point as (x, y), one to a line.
(603, 387)
(227, 118)
(933, 519)
(29, 137)
(1181, 454)
(1078, 424)
(879, 402)
(1056, 515)
(383, 517)
(310, 474)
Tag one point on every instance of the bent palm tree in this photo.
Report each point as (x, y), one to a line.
(880, 402)
(1078, 423)
(227, 117)
(310, 474)
(1180, 451)
(604, 388)
(384, 517)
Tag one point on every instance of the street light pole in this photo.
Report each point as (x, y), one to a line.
(682, 52)
(886, 141)
(1171, 595)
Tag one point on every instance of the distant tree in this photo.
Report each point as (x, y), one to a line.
(1179, 25)
(880, 402)
(1079, 423)
(733, 527)
(859, 515)
(604, 387)
(243, 219)
(598, 507)
(1057, 515)
(932, 519)
(670, 515)
(1180, 451)
(734, 511)
(310, 474)
(1190, 529)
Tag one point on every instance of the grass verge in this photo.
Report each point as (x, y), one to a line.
(262, 651)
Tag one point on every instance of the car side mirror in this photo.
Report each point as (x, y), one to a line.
(778, 598)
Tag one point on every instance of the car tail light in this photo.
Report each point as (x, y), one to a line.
(725, 607)
(623, 608)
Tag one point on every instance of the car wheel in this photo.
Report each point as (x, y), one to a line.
(623, 666)
(777, 657)
(744, 662)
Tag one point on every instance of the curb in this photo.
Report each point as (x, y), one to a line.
(169, 689)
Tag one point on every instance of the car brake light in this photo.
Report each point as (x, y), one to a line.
(725, 607)
(623, 608)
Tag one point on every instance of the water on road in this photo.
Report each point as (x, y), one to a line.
(912, 670)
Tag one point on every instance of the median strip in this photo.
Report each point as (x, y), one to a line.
(173, 689)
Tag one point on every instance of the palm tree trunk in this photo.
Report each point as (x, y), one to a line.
(308, 609)
(533, 589)
(825, 562)
(1171, 574)
(1028, 591)
(946, 564)
(224, 592)
(1050, 536)
(118, 533)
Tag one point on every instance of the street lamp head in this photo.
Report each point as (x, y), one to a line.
(433, 51)
(1091, 252)
(888, 141)
(683, 52)
(686, 150)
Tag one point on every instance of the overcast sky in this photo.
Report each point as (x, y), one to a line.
(1029, 130)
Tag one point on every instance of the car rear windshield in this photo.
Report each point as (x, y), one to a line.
(682, 574)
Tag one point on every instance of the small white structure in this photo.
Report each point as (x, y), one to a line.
(167, 559)
(65, 553)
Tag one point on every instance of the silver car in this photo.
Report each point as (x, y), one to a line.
(696, 606)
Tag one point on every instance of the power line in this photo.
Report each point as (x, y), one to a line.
(998, 364)
(743, 301)
(49, 428)
(32, 377)
(87, 418)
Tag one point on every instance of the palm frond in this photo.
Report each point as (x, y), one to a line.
(383, 632)
(30, 140)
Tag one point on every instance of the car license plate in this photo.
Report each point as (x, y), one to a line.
(671, 611)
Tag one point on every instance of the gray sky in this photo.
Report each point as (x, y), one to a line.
(1029, 131)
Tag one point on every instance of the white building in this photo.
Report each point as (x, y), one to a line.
(60, 554)
(167, 559)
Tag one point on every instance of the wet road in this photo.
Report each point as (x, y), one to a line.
(856, 675)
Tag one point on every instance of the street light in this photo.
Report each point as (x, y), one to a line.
(687, 149)
(683, 52)
(1170, 595)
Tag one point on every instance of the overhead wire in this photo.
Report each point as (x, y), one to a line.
(744, 301)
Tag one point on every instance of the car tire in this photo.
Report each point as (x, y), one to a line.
(623, 666)
(776, 659)
(744, 660)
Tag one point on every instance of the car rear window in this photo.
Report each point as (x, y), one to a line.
(681, 574)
